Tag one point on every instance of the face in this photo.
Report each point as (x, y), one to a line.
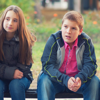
(11, 22)
(70, 31)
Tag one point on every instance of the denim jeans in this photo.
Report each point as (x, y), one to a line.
(46, 88)
(16, 87)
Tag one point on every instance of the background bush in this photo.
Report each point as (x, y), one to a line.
(25, 5)
(46, 28)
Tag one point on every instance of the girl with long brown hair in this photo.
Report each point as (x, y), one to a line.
(16, 43)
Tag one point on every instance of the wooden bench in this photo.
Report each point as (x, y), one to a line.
(31, 93)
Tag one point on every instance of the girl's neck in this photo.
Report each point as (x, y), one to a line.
(9, 36)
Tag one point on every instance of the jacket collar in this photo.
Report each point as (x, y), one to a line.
(15, 38)
(80, 38)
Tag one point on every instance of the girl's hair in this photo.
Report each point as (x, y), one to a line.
(74, 16)
(26, 40)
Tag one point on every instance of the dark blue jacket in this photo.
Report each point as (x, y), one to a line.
(11, 61)
(53, 57)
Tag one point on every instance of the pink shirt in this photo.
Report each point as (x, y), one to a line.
(69, 66)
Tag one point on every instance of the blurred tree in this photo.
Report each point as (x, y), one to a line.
(93, 4)
(43, 3)
(37, 8)
(25, 5)
(70, 4)
(76, 5)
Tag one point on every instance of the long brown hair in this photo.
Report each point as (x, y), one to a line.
(26, 39)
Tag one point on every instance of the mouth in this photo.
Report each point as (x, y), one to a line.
(9, 27)
(68, 37)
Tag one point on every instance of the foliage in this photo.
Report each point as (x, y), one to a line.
(46, 28)
(43, 30)
(97, 51)
(37, 53)
(25, 5)
(92, 25)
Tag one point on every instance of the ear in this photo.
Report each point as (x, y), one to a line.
(81, 31)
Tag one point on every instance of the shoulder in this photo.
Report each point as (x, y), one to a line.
(84, 35)
(58, 38)
(56, 35)
(52, 40)
(55, 40)
(84, 38)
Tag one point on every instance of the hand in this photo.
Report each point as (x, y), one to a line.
(18, 74)
(77, 84)
(74, 84)
(71, 82)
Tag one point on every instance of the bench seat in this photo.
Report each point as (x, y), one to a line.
(31, 93)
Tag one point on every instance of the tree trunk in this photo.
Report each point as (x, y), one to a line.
(37, 8)
(77, 5)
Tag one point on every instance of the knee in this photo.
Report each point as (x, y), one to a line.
(15, 85)
(94, 83)
(44, 81)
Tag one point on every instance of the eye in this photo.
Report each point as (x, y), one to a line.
(7, 19)
(74, 28)
(65, 26)
(15, 20)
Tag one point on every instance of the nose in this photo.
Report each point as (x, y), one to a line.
(10, 22)
(68, 30)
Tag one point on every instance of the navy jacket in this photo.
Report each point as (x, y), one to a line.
(11, 61)
(53, 57)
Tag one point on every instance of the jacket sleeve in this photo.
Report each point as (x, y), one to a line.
(26, 70)
(89, 62)
(7, 72)
(49, 59)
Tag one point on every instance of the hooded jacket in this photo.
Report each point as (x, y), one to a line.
(11, 61)
(53, 57)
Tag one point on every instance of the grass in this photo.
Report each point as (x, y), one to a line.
(37, 53)
(97, 51)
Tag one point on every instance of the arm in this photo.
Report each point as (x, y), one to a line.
(89, 63)
(49, 59)
(6, 72)
(26, 70)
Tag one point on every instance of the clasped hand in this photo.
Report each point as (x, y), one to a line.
(18, 74)
(74, 84)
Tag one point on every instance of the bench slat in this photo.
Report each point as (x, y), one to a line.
(31, 93)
